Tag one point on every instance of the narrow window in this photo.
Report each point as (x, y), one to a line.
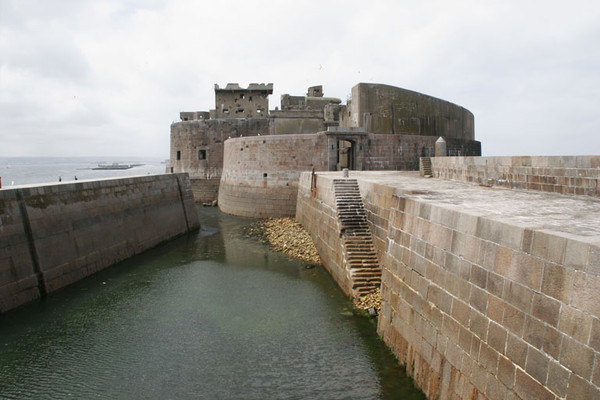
(201, 154)
(178, 154)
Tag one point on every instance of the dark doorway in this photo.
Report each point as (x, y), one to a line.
(345, 155)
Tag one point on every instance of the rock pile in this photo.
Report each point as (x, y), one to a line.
(371, 300)
(288, 236)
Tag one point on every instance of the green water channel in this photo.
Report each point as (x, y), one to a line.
(212, 315)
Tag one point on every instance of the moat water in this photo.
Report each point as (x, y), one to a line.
(213, 315)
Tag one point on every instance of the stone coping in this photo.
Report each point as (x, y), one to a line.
(72, 181)
(573, 217)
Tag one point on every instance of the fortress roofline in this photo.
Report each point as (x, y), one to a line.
(253, 87)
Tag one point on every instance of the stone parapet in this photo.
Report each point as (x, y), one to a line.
(54, 235)
(578, 175)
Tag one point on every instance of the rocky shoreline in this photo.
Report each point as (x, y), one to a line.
(288, 236)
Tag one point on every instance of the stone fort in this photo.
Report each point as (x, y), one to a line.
(241, 153)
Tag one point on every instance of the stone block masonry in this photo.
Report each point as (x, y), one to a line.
(54, 235)
(578, 175)
(205, 190)
(488, 293)
(260, 173)
(316, 211)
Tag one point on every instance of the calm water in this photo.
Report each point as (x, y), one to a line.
(212, 315)
(27, 170)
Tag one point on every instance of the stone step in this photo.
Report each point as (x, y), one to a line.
(358, 248)
(368, 274)
(374, 265)
(362, 253)
(359, 251)
(372, 278)
(372, 275)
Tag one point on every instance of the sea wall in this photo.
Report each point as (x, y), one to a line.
(260, 173)
(316, 212)
(205, 190)
(579, 175)
(54, 235)
(477, 305)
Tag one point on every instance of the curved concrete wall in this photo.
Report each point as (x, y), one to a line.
(391, 110)
(260, 173)
(54, 235)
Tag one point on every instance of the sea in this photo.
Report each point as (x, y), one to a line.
(17, 171)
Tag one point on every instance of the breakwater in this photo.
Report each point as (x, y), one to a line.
(54, 235)
(487, 292)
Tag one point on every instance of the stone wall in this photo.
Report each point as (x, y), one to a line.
(197, 146)
(316, 211)
(384, 109)
(232, 101)
(476, 305)
(205, 190)
(260, 174)
(54, 235)
(579, 175)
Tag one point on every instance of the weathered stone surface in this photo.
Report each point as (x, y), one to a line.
(412, 113)
(576, 175)
(197, 141)
(521, 321)
(61, 233)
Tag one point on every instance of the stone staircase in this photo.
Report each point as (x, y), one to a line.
(360, 257)
(425, 167)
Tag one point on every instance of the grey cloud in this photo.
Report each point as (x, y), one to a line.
(45, 53)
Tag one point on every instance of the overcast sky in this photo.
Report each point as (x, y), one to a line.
(107, 78)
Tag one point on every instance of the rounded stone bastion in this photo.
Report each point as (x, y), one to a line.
(260, 173)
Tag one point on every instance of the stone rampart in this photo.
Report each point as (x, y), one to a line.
(54, 235)
(579, 175)
(260, 173)
(384, 109)
(316, 211)
(487, 293)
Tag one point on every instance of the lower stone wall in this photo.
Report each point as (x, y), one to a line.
(402, 152)
(397, 152)
(205, 190)
(260, 173)
(54, 235)
(579, 175)
(475, 307)
(316, 212)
